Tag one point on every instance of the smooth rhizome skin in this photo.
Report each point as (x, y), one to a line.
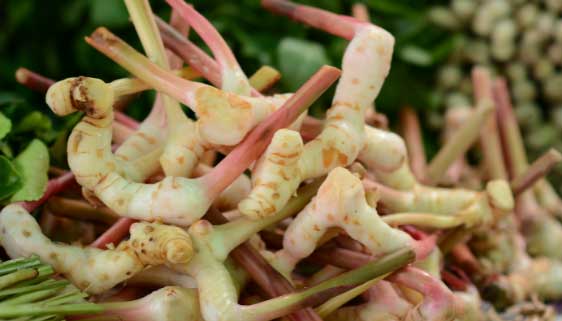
(345, 138)
(170, 303)
(366, 63)
(340, 202)
(95, 98)
(174, 200)
(94, 270)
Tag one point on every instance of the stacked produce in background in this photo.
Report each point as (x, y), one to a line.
(521, 40)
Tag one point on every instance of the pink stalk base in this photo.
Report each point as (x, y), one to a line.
(255, 143)
(190, 53)
(489, 136)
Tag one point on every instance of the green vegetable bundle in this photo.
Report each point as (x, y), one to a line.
(29, 292)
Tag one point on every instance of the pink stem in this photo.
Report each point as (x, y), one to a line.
(489, 136)
(311, 127)
(134, 62)
(207, 32)
(115, 234)
(33, 81)
(54, 186)
(190, 53)
(183, 29)
(126, 120)
(254, 144)
(435, 292)
(338, 25)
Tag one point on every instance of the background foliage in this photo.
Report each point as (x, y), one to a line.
(47, 37)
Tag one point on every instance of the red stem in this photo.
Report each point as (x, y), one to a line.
(411, 130)
(115, 234)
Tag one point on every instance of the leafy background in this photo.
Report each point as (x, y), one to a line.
(47, 37)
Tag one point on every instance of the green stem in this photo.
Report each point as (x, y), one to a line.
(73, 296)
(338, 301)
(228, 236)
(37, 309)
(47, 318)
(318, 293)
(142, 16)
(30, 297)
(459, 143)
(49, 284)
(18, 264)
(18, 276)
(429, 220)
(44, 273)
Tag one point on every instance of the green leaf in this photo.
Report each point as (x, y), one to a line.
(10, 178)
(298, 60)
(35, 121)
(5, 125)
(33, 164)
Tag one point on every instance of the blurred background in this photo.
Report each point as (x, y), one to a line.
(438, 42)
